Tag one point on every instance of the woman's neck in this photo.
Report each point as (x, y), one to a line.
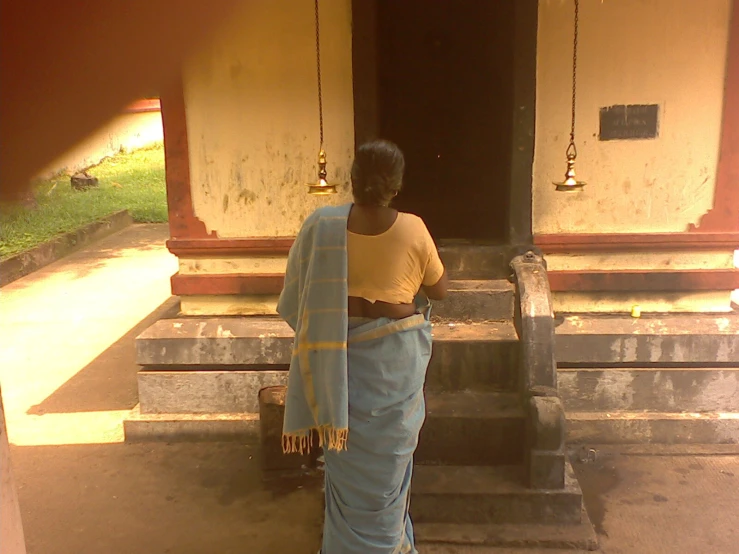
(372, 206)
(371, 219)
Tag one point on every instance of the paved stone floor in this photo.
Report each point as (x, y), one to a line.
(211, 498)
(663, 504)
(69, 378)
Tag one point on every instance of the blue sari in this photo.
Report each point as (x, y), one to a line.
(368, 485)
(359, 384)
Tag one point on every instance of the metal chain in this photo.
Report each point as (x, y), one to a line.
(572, 148)
(318, 66)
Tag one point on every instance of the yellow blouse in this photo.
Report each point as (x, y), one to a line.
(392, 266)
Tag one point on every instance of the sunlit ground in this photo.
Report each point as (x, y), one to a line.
(56, 321)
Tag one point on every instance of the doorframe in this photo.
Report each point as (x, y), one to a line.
(519, 231)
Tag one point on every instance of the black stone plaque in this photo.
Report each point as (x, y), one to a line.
(632, 122)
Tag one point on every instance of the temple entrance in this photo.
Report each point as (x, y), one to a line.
(444, 78)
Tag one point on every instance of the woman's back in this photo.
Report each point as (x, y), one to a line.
(390, 255)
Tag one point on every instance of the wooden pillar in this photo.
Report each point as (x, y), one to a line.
(12, 540)
(182, 220)
(520, 215)
(724, 216)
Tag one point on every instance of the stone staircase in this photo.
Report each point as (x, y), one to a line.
(662, 379)
(491, 469)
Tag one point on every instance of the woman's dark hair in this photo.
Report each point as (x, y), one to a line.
(377, 172)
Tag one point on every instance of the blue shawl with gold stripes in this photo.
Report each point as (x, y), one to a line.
(314, 303)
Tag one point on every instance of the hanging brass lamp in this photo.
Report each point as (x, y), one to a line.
(321, 187)
(570, 183)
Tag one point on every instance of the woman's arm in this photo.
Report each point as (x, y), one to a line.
(439, 290)
(435, 281)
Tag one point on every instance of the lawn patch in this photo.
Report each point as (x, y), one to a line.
(131, 181)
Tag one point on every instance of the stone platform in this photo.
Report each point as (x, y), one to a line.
(489, 454)
(657, 379)
(206, 373)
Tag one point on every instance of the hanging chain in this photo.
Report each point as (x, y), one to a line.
(572, 149)
(318, 66)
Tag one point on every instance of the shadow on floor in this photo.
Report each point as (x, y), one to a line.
(156, 498)
(109, 381)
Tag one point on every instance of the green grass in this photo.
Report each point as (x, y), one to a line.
(131, 181)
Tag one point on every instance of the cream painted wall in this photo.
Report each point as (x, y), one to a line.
(648, 302)
(229, 265)
(668, 52)
(252, 117)
(243, 304)
(129, 131)
(663, 260)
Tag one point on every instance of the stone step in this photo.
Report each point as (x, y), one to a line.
(463, 260)
(460, 428)
(624, 428)
(476, 300)
(140, 427)
(204, 392)
(698, 339)
(490, 495)
(581, 452)
(659, 389)
(481, 355)
(506, 537)
(472, 428)
(189, 342)
(476, 355)
(480, 549)
(652, 427)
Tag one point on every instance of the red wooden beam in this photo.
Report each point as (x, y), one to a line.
(144, 106)
(572, 243)
(256, 246)
(644, 281)
(560, 281)
(237, 283)
(550, 244)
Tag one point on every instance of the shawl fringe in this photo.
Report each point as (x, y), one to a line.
(300, 442)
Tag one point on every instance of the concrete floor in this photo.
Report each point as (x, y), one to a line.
(663, 504)
(57, 322)
(160, 498)
(69, 378)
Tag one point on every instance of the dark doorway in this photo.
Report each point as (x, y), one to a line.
(444, 78)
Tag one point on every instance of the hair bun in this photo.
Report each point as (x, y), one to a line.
(377, 172)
